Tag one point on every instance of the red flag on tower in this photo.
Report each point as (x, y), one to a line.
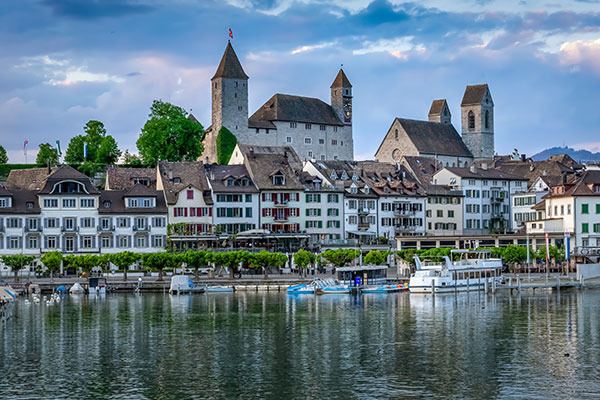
(230, 33)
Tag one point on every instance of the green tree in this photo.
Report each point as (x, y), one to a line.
(3, 156)
(16, 262)
(101, 149)
(303, 258)
(160, 261)
(47, 154)
(123, 260)
(226, 142)
(375, 257)
(52, 261)
(132, 159)
(169, 135)
(341, 257)
(265, 259)
(85, 262)
(196, 259)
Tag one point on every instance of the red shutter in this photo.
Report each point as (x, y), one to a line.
(286, 197)
(264, 211)
(185, 212)
(264, 197)
(174, 212)
(210, 212)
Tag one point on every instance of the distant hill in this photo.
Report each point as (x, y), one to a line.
(581, 156)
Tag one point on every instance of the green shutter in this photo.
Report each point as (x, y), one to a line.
(307, 198)
(584, 228)
(307, 212)
(597, 208)
(585, 209)
(320, 224)
(319, 212)
(318, 197)
(306, 224)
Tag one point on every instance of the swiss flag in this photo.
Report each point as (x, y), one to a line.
(230, 33)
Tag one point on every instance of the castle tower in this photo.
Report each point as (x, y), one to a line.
(230, 95)
(477, 119)
(341, 98)
(439, 112)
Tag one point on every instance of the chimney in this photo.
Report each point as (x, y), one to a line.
(212, 176)
(484, 166)
(206, 160)
(523, 157)
(49, 169)
(473, 169)
(170, 175)
(564, 178)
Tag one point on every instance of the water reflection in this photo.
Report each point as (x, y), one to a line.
(271, 345)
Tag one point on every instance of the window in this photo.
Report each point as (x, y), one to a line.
(13, 243)
(69, 224)
(310, 154)
(4, 202)
(278, 180)
(106, 204)
(335, 128)
(50, 203)
(322, 127)
(585, 209)
(321, 141)
(140, 241)
(51, 242)
(190, 195)
(157, 241)
(257, 130)
(248, 198)
(596, 228)
(332, 198)
(32, 242)
(292, 125)
(322, 157)
(440, 213)
(123, 241)
(69, 203)
(307, 140)
(123, 222)
(87, 203)
(158, 222)
(248, 212)
(597, 208)
(307, 126)
(450, 213)
(471, 118)
(352, 219)
(13, 222)
(87, 242)
(140, 223)
(288, 139)
(487, 117)
(104, 224)
(87, 222)
(396, 134)
(585, 228)
(176, 180)
(51, 222)
(334, 142)
(105, 242)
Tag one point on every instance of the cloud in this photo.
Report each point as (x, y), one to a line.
(95, 9)
(581, 52)
(399, 48)
(591, 146)
(305, 48)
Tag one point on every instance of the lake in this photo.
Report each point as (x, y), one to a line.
(539, 345)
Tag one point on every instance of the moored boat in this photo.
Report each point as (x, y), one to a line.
(470, 272)
(385, 288)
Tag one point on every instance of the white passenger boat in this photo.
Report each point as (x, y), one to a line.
(470, 272)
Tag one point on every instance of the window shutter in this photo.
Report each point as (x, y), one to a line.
(306, 224)
(20, 242)
(307, 212)
(128, 222)
(75, 223)
(75, 244)
(320, 224)
(129, 241)
(45, 224)
(319, 212)
(112, 241)
(210, 212)
(264, 197)
(93, 241)
(45, 242)
(93, 222)
(20, 223)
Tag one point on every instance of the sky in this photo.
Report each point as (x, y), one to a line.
(64, 62)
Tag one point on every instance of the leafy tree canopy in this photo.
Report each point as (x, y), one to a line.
(226, 142)
(3, 156)
(303, 258)
(101, 148)
(375, 257)
(341, 257)
(169, 135)
(17, 262)
(47, 154)
(52, 260)
(132, 159)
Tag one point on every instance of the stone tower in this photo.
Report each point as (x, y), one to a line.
(477, 119)
(230, 95)
(341, 98)
(439, 112)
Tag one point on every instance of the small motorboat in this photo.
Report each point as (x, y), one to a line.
(385, 288)
(97, 285)
(301, 289)
(335, 290)
(183, 284)
(219, 289)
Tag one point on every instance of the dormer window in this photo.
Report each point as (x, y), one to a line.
(353, 190)
(4, 202)
(366, 190)
(244, 182)
(29, 205)
(106, 204)
(176, 180)
(278, 180)
(230, 182)
(69, 187)
(140, 181)
(344, 176)
(355, 176)
(333, 175)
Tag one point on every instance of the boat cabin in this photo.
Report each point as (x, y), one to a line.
(362, 275)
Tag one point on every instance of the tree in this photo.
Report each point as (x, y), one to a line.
(196, 259)
(169, 135)
(375, 257)
(3, 156)
(85, 262)
(160, 261)
(47, 154)
(131, 159)
(16, 262)
(123, 260)
(265, 259)
(226, 142)
(303, 258)
(52, 261)
(101, 149)
(341, 257)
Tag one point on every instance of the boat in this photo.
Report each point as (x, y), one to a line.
(335, 290)
(7, 300)
(183, 284)
(301, 289)
(97, 285)
(76, 289)
(471, 272)
(385, 288)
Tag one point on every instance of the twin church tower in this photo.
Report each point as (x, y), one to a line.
(322, 131)
(315, 129)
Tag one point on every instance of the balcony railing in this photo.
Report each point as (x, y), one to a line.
(284, 203)
(72, 229)
(106, 228)
(363, 210)
(145, 228)
(363, 225)
(404, 212)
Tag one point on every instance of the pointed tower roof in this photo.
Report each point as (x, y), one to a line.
(230, 66)
(474, 94)
(437, 107)
(341, 80)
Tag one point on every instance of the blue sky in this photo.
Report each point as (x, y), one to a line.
(65, 62)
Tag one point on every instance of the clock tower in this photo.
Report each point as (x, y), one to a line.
(341, 98)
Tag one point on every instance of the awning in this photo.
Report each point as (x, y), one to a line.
(361, 233)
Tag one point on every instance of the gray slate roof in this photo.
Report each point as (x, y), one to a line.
(285, 107)
(119, 178)
(218, 175)
(474, 94)
(435, 138)
(437, 107)
(20, 198)
(262, 162)
(189, 173)
(117, 202)
(480, 173)
(66, 172)
(230, 66)
(32, 178)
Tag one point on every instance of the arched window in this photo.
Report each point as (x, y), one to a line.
(487, 119)
(471, 119)
(396, 133)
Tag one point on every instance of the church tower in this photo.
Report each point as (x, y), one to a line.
(477, 119)
(230, 95)
(341, 98)
(439, 112)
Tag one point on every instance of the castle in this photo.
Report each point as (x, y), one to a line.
(313, 128)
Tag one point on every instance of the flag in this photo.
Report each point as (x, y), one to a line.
(25, 143)
(58, 148)
(230, 33)
(84, 150)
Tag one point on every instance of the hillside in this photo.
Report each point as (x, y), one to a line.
(582, 156)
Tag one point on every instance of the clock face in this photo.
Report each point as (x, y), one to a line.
(396, 155)
(347, 112)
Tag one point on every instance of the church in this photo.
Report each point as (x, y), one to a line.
(437, 138)
(312, 127)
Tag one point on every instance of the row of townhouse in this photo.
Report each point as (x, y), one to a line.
(45, 210)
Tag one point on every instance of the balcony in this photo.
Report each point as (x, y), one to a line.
(497, 198)
(145, 228)
(363, 211)
(69, 229)
(363, 226)
(282, 204)
(400, 229)
(404, 212)
(280, 218)
(106, 228)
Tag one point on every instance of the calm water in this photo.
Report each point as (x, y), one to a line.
(255, 345)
